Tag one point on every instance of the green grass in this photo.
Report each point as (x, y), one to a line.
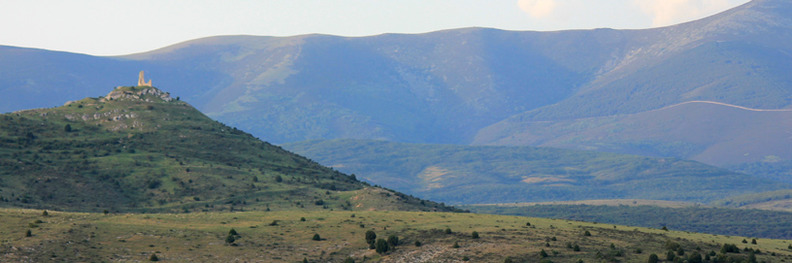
(143, 152)
(64, 236)
(500, 174)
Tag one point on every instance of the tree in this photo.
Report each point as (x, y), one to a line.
(28, 233)
(448, 230)
(670, 255)
(381, 246)
(233, 232)
(587, 233)
(753, 241)
(474, 235)
(278, 178)
(371, 237)
(576, 248)
(695, 257)
(45, 213)
(393, 240)
(230, 239)
(316, 237)
(417, 243)
(456, 245)
(67, 128)
(543, 254)
(153, 257)
(653, 258)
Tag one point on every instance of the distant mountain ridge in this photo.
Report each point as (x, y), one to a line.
(458, 86)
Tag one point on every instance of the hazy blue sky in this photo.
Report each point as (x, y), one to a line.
(108, 27)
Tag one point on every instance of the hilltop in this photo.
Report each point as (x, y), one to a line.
(138, 149)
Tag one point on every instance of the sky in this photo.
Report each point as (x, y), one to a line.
(119, 27)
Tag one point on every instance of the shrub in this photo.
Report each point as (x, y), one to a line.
(316, 237)
(417, 243)
(587, 233)
(230, 239)
(393, 240)
(28, 233)
(45, 213)
(448, 231)
(456, 245)
(474, 235)
(653, 258)
(543, 254)
(381, 246)
(371, 237)
(153, 257)
(233, 232)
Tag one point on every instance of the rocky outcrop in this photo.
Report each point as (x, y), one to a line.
(147, 94)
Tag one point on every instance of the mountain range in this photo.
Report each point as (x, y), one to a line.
(719, 86)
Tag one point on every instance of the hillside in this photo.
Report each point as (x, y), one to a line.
(140, 150)
(709, 132)
(421, 237)
(500, 174)
(465, 86)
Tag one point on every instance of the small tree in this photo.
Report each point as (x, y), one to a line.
(28, 233)
(456, 245)
(153, 257)
(45, 213)
(587, 233)
(474, 235)
(448, 230)
(233, 232)
(753, 241)
(576, 248)
(381, 246)
(67, 128)
(371, 237)
(417, 243)
(316, 237)
(393, 240)
(653, 258)
(230, 239)
(543, 254)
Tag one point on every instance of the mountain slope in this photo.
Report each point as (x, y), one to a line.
(451, 86)
(491, 174)
(138, 149)
(709, 132)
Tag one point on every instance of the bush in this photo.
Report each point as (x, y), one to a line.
(456, 245)
(543, 254)
(393, 240)
(448, 231)
(371, 237)
(381, 246)
(587, 233)
(153, 257)
(474, 235)
(28, 233)
(417, 243)
(653, 258)
(316, 237)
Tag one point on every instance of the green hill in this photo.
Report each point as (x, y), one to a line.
(502, 174)
(138, 149)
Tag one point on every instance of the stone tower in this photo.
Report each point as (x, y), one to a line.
(142, 82)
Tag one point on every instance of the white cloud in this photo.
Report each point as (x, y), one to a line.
(669, 12)
(537, 8)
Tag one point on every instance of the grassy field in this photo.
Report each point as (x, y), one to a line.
(287, 236)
